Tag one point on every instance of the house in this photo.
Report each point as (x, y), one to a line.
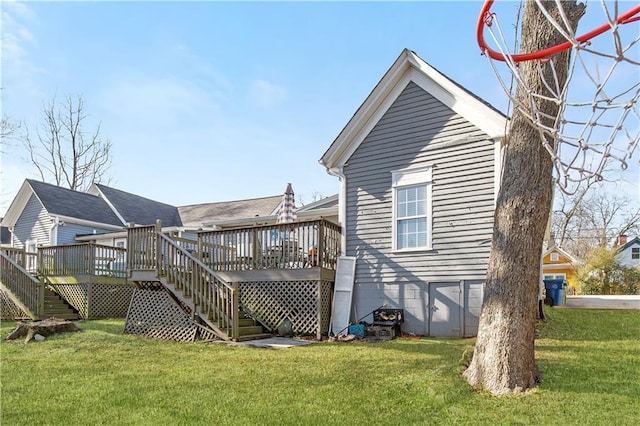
(628, 251)
(43, 214)
(186, 221)
(134, 209)
(419, 165)
(558, 264)
(209, 214)
(49, 215)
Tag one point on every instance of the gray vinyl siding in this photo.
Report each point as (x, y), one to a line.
(34, 224)
(419, 130)
(69, 231)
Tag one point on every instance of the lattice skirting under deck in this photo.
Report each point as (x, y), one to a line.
(95, 301)
(9, 310)
(154, 313)
(307, 304)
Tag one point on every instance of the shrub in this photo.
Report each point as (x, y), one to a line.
(603, 274)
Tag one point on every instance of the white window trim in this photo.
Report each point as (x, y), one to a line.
(632, 249)
(554, 257)
(409, 177)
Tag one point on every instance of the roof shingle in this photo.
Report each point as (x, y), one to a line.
(80, 205)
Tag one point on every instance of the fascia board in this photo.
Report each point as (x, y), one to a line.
(409, 67)
(365, 117)
(18, 204)
(89, 223)
(559, 251)
(117, 234)
(459, 100)
(556, 266)
(363, 126)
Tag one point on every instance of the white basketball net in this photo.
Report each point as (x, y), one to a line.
(598, 122)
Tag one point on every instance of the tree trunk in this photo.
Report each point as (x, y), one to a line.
(503, 360)
(45, 328)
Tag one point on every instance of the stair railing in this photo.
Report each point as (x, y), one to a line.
(25, 290)
(216, 301)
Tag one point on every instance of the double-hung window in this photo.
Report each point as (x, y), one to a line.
(412, 209)
(635, 253)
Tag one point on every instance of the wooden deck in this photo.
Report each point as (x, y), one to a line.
(269, 272)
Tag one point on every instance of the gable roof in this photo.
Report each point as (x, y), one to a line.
(410, 67)
(327, 202)
(63, 202)
(206, 214)
(555, 248)
(628, 244)
(131, 208)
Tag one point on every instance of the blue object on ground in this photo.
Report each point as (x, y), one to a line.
(555, 291)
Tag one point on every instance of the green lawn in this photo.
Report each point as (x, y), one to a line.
(590, 360)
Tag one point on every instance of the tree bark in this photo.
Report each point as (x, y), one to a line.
(45, 328)
(503, 360)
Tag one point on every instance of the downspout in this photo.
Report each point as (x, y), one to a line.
(342, 206)
(53, 232)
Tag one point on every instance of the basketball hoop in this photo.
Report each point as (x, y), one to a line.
(598, 119)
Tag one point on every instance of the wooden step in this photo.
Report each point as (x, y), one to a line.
(54, 306)
(246, 322)
(244, 338)
(250, 330)
(68, 316)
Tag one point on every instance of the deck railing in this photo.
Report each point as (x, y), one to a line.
(82, 259)
(213, 298)
(296, 245)
(28, 290)
(23, 258)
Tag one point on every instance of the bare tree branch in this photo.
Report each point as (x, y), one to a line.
(65, 153)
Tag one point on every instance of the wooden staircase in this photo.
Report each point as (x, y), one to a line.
(56, 306)
(30, 293)
(247, 328)
(200, 291)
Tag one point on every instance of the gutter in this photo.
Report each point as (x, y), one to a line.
(342, 204)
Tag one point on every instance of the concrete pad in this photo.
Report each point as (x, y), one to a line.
(604, 302)
(275, 343)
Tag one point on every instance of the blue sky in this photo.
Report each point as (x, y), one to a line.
(215, 101)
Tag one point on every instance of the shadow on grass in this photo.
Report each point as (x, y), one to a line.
(604, 374)
(108, 326)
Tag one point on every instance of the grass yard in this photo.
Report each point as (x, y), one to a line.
(590, 360)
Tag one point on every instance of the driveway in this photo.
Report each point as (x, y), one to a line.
(603, 302)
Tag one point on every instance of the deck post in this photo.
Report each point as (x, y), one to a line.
(321, 244)
(158, 256)
(319, 309)
(254, 249)
(235, 323)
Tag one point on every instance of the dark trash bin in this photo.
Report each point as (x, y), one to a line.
(555, 292)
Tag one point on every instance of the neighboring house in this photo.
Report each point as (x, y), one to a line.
(45, 214)
(326, 208)
(557, 264)
(134, 209)
(207, 215)
(628, 252)
(419, 166)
